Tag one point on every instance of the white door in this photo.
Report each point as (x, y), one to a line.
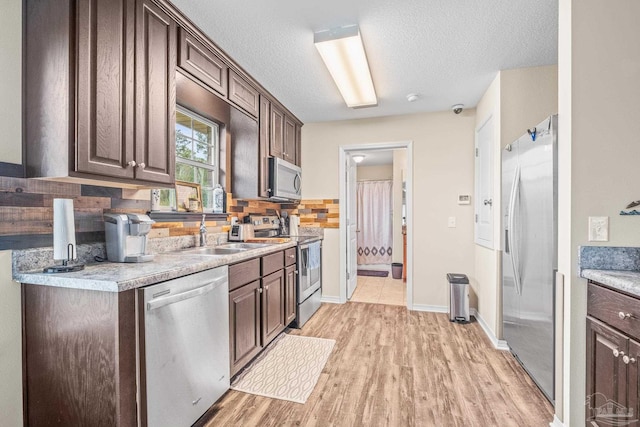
(484, 185)
(352, 227)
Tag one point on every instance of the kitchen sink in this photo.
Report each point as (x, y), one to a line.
(243, 245)
(213, 251)
(225, 249)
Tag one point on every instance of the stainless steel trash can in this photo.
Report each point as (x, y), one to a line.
(458, 297)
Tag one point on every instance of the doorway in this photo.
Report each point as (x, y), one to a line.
(402, 213)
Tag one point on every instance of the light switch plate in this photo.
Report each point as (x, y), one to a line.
(452, 222)
(598, 228)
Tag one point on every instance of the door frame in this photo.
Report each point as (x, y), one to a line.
(363, 148)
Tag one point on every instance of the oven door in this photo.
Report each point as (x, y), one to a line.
(309, 279)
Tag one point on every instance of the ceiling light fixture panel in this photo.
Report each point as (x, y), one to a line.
(343, 53)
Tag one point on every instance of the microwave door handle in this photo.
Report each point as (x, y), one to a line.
(296, 182)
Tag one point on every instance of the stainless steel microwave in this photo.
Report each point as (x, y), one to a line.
(285, 180)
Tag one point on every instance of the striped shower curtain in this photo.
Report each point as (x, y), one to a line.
(375, 234)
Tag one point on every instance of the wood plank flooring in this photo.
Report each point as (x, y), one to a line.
(393, 367)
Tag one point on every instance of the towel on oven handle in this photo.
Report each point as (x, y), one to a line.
(314, 255)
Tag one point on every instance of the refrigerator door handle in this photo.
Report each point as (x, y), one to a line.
(515, 262)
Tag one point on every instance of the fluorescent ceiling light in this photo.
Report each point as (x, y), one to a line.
(358, 158)
(343, 53)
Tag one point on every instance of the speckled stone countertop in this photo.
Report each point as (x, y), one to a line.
(616, 267)
(118, 277)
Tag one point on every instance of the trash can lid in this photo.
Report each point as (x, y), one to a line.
(457, 278)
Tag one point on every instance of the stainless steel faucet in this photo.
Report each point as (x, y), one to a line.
(203, 232)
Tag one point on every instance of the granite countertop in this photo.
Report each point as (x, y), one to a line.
(118, 277)
(615, 267)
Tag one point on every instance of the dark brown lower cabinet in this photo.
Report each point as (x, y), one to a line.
(261, 304)
(245, 331)
(613, 354)
(290, 294)
(79, 351)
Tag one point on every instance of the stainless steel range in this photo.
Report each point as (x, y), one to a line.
(309, 265)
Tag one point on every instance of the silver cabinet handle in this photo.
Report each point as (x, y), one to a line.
(132, 163)
(623, 316)
(142, 166)
(259, 290)
(617, 353)
(626, 359)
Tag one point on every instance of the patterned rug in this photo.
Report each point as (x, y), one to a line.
(287, 369)
(375, 273)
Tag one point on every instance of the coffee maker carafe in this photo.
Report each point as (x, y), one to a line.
(126, 236)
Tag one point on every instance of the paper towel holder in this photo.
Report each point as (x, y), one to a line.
(64, 237)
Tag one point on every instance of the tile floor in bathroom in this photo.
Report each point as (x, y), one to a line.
(380, 290)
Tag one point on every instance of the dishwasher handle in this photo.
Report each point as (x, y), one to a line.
(171, 299)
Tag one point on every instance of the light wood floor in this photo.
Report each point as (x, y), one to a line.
(380, 290)
(392, 367)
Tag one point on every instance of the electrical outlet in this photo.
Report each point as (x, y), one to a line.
(598, 228)
(452, 222)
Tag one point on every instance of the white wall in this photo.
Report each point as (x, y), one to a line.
(365, 173)
(440, 140)
(10, 346)
(516, 100)
(399, 172)
(599, 152)
(11, 81)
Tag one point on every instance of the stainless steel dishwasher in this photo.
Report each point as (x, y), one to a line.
(184, 355)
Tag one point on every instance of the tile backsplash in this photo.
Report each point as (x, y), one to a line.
(26, 212)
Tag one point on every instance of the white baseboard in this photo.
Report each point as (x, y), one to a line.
(431, 308)
(498, 344)
(556, 422)
(331, 300)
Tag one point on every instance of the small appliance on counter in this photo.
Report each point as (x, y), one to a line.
(126, 236)
(241, 232)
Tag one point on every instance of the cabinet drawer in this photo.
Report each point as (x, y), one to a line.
(272, 262)
(243, 94)
(612, 308)
(243, 273)
(201, 62)
(290, 256)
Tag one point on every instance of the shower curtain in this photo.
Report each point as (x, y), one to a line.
(374, 207)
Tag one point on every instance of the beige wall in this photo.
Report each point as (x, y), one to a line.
(516, 100)
(598, 165)
(11, 81)
(374, 172)
(399, 171)
(440, 140)
(10, 346)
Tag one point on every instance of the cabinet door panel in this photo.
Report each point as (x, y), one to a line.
(244, 320)
(606, 373)
(242, 94)
(156, 94)
(633, 378)
(299, 145)
(263, 173)
(201, 62)
(105, 70)
(289, 151)
(290, 295)
(272, 306)
(276, 142)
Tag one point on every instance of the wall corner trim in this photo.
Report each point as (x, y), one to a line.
(497, 344)
(331, 300)
(556, 422)
(431, 308)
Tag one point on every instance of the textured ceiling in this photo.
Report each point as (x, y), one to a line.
(446, 51)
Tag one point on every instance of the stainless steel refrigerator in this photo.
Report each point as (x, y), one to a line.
(529, 250)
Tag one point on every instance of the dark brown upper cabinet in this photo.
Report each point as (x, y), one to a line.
(201, 62)
(284, 137)
(243, 94)
(100, 91)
